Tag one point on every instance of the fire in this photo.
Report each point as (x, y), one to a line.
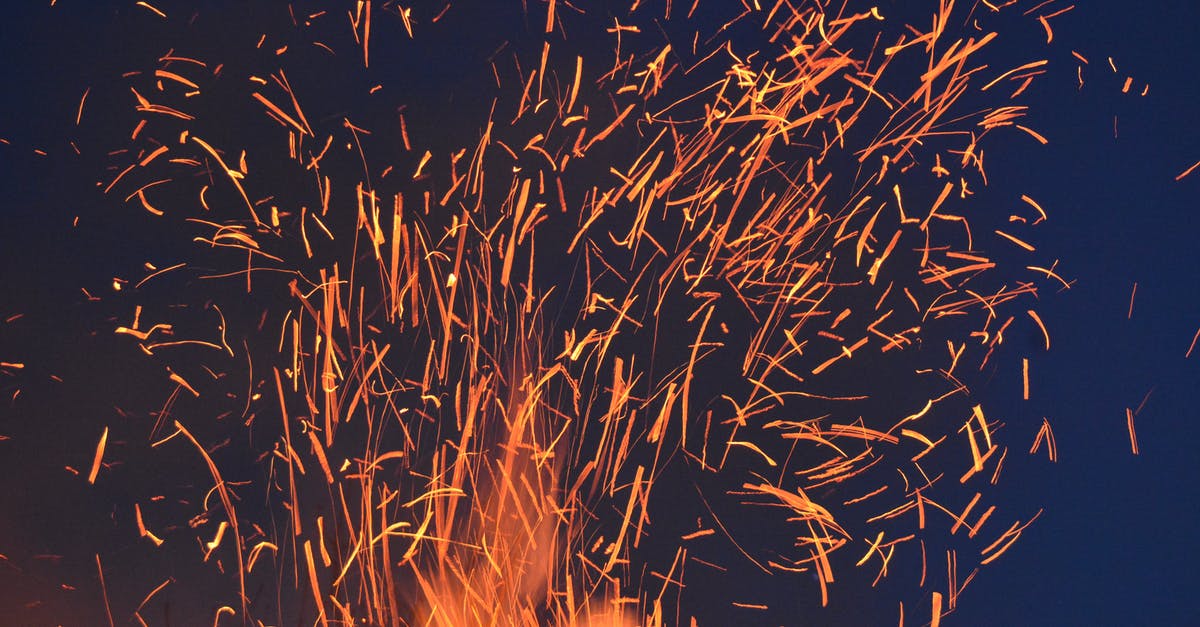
(723, 282)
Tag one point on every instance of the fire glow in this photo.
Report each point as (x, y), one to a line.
(720, 275)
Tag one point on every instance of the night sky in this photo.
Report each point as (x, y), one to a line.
(1116, 544)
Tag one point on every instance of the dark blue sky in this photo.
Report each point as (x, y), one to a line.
(1116, 544)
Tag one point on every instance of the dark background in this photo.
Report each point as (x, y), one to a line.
(1116, 544)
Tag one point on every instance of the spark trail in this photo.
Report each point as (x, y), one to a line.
(666, 301)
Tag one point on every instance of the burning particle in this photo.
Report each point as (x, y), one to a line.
(91, 479)
(147, 6)
(1042, 326)
(1133, 444)
(1045, 435)
(1025, 378)
(82, 99)
(104, 591)
(1193, 345)
(1188, 171)
(142, 531)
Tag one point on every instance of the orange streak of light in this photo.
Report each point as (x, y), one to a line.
(104, 591)
(99, 456)
(1133, 443)
(1188, 171)
(147, 6)
(1025, 378)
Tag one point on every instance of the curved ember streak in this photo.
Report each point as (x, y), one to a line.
(659, 323)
